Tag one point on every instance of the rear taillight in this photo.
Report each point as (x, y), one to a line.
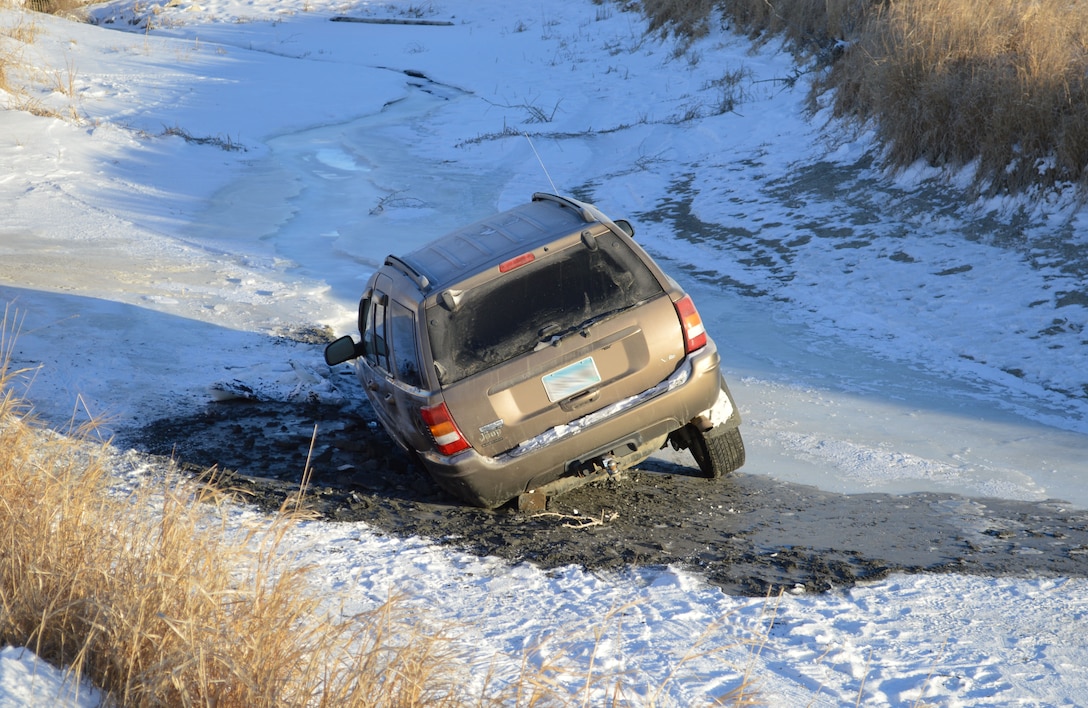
(691, 323)
(448, 440)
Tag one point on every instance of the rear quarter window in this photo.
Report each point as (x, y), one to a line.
(508, 316)
(374, 344)
(402, 332)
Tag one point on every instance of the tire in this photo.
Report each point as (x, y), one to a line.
(717, 454)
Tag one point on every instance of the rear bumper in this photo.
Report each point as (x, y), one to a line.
(489, 482)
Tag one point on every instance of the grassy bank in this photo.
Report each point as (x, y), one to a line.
(998, 85)
(160, 597)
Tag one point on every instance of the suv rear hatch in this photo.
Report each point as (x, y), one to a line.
(549, 336)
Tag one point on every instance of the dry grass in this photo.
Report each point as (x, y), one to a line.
(16, 35)
(686, 19)
(806, 23)
(1001, 85)
(13, 38)
(20, 78)
(154, 597)
(65, 8)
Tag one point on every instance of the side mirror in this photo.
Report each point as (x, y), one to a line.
(626, 227)
(341, 350)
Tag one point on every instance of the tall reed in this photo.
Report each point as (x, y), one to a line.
(158, 597)
(1000, 86)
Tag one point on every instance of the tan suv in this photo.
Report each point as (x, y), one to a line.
(535, 350)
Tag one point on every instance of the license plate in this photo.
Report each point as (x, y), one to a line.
(571, 379)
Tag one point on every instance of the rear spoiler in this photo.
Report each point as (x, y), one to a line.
(588, 212)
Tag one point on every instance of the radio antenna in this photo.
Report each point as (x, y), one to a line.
(554, 190)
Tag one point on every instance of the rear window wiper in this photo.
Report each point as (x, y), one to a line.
(552, 334)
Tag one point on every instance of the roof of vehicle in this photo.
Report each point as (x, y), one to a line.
(492, 240)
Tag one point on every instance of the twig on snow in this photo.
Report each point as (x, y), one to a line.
(580, 521)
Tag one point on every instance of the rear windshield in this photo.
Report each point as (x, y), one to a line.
(553, 296)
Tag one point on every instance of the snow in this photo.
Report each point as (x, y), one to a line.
(27, 681)
(234, 171)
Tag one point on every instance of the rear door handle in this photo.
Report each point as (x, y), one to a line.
(582, 399)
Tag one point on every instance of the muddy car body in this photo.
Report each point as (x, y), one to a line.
(537, 349)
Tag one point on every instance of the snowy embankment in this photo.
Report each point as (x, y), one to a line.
(220, 174)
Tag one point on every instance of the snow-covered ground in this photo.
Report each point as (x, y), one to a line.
(224, 172)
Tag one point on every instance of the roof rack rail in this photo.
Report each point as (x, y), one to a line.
(418, 278)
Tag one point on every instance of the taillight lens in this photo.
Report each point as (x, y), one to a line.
(691, 323)
(448, 440)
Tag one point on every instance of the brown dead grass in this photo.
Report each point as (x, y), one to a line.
(1000, 85)
(686, 20)
(18, 77)
(158, 598)
(66, 8)
(14, 36)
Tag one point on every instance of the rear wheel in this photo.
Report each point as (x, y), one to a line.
(716, 452)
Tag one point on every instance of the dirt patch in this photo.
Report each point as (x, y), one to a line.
(747, 533)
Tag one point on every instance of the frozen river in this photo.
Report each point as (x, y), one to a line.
(822, 404)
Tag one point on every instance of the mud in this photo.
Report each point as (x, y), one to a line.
(747, 533)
